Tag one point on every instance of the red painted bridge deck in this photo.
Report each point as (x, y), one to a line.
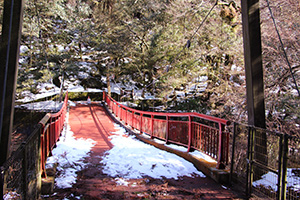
(92, 121)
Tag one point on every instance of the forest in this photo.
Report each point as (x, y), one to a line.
(186, 54)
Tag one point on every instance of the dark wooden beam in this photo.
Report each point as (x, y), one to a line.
(9, 61)
(253, 63)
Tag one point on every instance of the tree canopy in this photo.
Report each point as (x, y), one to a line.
(164, 47)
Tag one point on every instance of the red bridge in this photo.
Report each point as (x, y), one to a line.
(193, 130)
(23, 170)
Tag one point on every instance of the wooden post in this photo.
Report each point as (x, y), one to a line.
(9, 60)
(254, 79)
(253, 63)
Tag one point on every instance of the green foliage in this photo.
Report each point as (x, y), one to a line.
(140, 42)
(143, 44)
(82, 96)
(54, 33)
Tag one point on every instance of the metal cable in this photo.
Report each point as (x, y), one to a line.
(205, 18)
(282, 46)
(188, 43)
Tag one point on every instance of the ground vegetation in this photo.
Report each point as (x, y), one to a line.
(186, 53)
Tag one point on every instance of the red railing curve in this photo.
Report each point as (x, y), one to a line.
(193, 130)
(52, 126)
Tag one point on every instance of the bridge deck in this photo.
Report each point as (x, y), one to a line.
(93, 122)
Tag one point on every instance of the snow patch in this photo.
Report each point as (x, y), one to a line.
(69, 155)
(270, 179)
(132, 159)
(42, 106)
(122, 181)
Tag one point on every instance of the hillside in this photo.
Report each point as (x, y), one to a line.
(162, 49)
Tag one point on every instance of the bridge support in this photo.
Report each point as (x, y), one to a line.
(253, 63)
(254, 84)
(9, 61)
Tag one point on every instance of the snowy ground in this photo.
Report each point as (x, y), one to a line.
(128, 159)
(49, 89)
(131, 158)
(42, 106)
(269, 180)
(69, 155)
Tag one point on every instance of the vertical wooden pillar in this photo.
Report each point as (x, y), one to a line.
(9, 60)
(255, 86)
(253, 63)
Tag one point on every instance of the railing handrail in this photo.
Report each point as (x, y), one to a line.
(62, 109)
(52, 125)
(48, 116)
(170, 114)
(45, 119)
(192, 134)
(38, 146)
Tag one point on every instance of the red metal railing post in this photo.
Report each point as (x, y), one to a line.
(119, 110)
(221, 163)
(43, 152)
(141, 123)
(227, 148)
(190, 133)
(116, 109)
(51, 127)
(49, 135)
(123, 115)
(201, 136)
(132, 121)
(152, 125)
(168, 127)
(126, 117)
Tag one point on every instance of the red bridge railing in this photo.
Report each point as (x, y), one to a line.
(193, 130)
(52, 126)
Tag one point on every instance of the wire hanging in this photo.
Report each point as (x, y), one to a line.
(187, 44)
(282, 46)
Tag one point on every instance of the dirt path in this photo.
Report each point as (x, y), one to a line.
(92, 122)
